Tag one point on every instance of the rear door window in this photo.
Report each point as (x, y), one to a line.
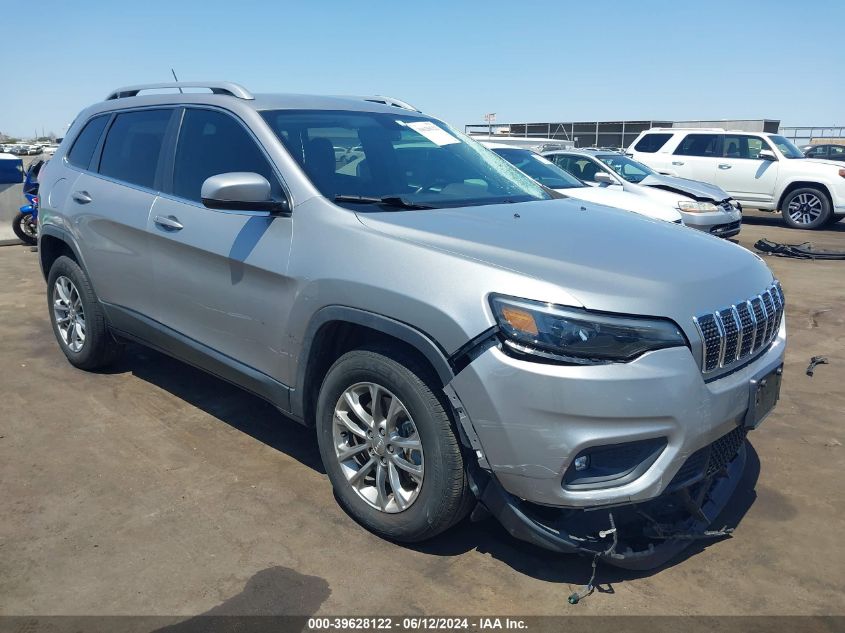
(83, 147)
(700, 145)
(133, 146)
(212, 143)
(650, 143)
(837, 152)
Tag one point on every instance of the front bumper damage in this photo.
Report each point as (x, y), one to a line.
(636, 536)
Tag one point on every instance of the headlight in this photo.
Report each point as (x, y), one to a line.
(570, 335)
(689, 206)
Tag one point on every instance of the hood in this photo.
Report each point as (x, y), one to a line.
(809, 164)
(608, 259)
(658, 210)
(695, 189)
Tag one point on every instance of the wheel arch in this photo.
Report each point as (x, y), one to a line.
(334, 330)
(53, 242)
(800, 184)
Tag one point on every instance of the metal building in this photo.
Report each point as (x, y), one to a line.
(619, 134)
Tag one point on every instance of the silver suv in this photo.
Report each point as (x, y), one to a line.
(460, 336)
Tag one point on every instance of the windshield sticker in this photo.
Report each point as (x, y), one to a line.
(436, 135)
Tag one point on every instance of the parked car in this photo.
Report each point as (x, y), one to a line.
(550, 175)
(760, 170)
(456, 333)
(702, 206)
(825, 152)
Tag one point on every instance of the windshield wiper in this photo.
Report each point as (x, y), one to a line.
(396, 202)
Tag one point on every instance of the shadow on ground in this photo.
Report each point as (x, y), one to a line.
(776, 220)
(255, 417)
(228, 403)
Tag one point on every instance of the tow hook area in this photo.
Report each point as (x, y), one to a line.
(639, 536)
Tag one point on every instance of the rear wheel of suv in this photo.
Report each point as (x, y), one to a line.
(389, 446)
(806, 208)
(77, 317)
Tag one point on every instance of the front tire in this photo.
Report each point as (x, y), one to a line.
(806, 208)
(389, 446)
(77, 317)
(25, 229)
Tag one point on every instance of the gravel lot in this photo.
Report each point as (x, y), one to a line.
(156, 489)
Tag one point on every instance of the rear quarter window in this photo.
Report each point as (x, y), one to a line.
(83, 147)
(650, 143)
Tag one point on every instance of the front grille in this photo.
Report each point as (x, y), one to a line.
(709, 460)
(733, 334)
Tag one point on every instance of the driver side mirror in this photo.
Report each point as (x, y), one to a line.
(604, 178)
(241, 191)
(767, 154)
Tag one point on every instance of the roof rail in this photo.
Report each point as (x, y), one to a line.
(686, 129)
(396, 103)
(216, 87)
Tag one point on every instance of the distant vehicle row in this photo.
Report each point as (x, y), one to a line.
(20, 149)
(759, 170)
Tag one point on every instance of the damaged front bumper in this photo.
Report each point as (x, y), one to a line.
(637, 536)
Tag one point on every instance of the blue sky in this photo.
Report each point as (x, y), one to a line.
(526, 61)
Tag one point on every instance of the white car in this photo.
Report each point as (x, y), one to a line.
(546, 173)
(760, 170)
(704, 207)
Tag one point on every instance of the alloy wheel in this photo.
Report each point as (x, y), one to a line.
(378, 447)
(69, 314)
(805, 208)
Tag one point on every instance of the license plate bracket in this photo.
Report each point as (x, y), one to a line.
(763, 394)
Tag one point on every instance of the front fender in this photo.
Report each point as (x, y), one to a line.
(417, 339)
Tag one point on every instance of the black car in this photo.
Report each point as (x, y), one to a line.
(826, 152)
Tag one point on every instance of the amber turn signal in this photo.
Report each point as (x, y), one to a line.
(521, 320)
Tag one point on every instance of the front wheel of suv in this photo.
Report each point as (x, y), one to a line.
(77, 317)
(389, 446)
(806, 208)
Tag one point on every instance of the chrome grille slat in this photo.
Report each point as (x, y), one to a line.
(759, 316)
(730, 325)
(747, 322)
(736, 333)
(768, 304)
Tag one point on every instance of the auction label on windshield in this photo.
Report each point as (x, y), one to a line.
(435, 134)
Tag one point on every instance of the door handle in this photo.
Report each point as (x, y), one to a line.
(169, 223)
(81, 197)
(677, 162)
(724, 166)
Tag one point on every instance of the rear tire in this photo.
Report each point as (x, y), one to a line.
(429, 502)
(806, 208)
(79, 323)
(25, 229)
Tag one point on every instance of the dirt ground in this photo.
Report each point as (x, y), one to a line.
(156, 489)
